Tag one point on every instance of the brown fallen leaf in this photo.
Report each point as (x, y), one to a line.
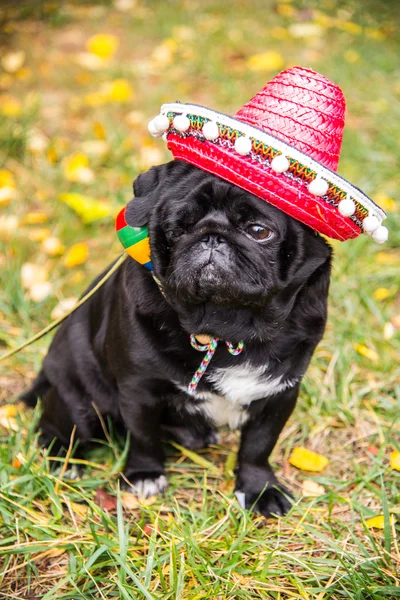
(149, 528)
(105, 500)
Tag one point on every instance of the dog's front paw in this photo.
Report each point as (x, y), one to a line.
(144, 485)
(275, 501)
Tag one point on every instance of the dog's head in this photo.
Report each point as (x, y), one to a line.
(230, 264)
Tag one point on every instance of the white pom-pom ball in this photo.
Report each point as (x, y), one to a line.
(153, 130)
(161, 123)
(318, 187)
(210, 130)
(381, 234)
(181, 123)
(280, 164)
(370, 224)
(243, 145)
(346, 207)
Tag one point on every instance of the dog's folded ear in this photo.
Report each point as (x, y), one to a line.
(146, 188)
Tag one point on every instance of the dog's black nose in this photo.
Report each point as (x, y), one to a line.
(212, 241)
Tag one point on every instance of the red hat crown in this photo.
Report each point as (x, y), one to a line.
(302, 108)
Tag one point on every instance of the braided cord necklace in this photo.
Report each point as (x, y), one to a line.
(209, 347)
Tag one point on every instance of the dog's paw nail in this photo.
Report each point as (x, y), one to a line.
(241, 498)
(144, 488)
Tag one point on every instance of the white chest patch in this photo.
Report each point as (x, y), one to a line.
(237, 387)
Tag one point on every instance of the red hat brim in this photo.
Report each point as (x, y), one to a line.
(288, 195)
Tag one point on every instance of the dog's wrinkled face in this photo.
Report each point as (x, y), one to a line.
(224, 256)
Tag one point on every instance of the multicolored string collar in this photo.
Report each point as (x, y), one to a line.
(209, 347)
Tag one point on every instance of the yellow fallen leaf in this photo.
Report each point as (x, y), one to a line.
(23, 74)
(8, 410)
(34, 218)
(79, 509)
(285, 10)
(119, 90)
(99, 130)
(266, 61)
(194, 457)
(395, 460)
(349, 26)
(374, 34)
(103, 45)
(381, 293)
(76, 168)
(76, 255)
(387, 258)
(89, 209)
(378, 522)
(307, 460)
(6, 179)
(312, 488)
(367, 352)
(9, 106)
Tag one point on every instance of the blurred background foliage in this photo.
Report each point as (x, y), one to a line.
(79, 82)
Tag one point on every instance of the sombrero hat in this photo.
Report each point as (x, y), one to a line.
(282, 146)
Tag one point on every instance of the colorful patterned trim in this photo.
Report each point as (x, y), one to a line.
(264, 148)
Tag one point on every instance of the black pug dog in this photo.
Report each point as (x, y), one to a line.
(229, 266)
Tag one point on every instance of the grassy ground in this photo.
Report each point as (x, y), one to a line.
(72, 122)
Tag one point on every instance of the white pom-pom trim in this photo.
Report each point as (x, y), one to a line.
(210, 130)
(370, 224)
(181, 123)
(280, 164)
(318, 187)
(153, 130)
(381, 234)
(346, 207)
(243, 145)
(161, 123)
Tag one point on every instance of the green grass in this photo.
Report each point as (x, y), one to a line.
(196, 542)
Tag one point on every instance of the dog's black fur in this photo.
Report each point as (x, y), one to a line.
(127, 349)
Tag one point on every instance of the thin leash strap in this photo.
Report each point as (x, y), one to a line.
(210, 349)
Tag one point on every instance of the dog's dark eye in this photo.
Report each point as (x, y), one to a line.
(258, 232)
